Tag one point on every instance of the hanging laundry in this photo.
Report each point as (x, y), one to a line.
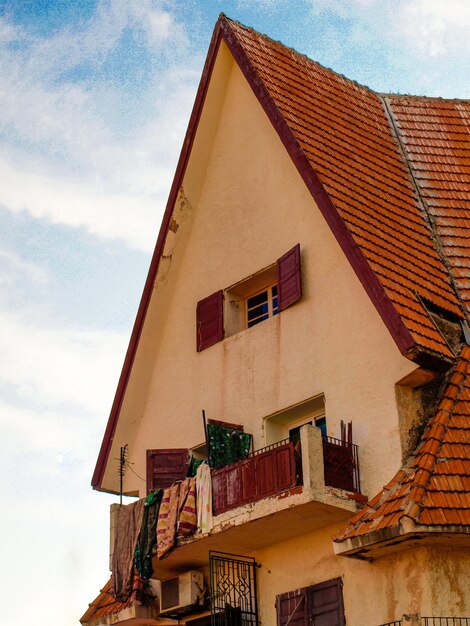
(167, 518)
(193, 465)
(204, 498)
(148, 535)
(187, 519)
(129, 522)
(226, 445)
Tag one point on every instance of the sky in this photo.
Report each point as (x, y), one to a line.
(95, 96)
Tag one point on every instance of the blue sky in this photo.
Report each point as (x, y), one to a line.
(94, 100)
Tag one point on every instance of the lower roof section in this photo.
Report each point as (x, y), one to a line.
(430, 495)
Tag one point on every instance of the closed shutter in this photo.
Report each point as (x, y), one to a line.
(166, 466)
(210, 320)
(289, 283)
(292, 608)
(326, 603)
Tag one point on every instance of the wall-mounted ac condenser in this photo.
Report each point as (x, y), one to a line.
(180, 592)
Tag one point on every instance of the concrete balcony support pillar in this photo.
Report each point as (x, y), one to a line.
(312, 460)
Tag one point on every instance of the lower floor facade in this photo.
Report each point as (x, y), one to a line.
(302, 582)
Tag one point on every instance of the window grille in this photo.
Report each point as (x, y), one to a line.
(233, 590)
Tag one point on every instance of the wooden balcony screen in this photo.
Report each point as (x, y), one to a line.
(341, 462)
(264, 473)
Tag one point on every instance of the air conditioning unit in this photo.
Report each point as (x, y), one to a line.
(180, 593)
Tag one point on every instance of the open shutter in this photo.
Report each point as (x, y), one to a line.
(292, 608)
(210, 320)
(166, 466)
(326, 603)
(289, 284)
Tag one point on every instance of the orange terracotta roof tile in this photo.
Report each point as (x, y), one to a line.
(433, 488)
(441, 127)
(105, 604)
(346, 133)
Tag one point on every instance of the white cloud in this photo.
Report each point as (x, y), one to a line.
(61, 131)
(13, 268)
(425, 27)
(132, 218)
(59, 368)
(434, 27)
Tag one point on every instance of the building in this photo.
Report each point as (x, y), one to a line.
(309, 287)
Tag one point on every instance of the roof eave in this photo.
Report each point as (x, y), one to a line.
(399, 537)
(106, 444)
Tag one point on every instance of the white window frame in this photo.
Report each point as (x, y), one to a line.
(271, 311)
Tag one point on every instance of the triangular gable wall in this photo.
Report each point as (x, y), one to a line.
(249, 208)
(231, 34)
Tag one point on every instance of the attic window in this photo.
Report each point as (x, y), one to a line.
(448, 324)
(250, 301)
(261, 306)
(263, 295)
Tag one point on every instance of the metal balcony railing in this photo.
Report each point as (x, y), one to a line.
(434, 621)
(445, 621)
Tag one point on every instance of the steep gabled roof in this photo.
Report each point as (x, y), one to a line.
(432, 491)
(343, 139)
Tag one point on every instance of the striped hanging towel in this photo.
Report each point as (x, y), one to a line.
(204, 498)
(187, 521)
(167, 517)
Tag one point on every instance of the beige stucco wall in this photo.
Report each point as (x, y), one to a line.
(431, 581)
(235, 216)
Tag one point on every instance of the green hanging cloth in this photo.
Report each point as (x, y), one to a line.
(148, 535)
(226, 445)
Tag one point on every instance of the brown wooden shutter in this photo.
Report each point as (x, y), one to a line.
(289, 283)
(292, 608)
(166, 466)
(325, 602)
(210, 320)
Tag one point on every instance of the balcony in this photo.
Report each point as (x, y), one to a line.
(277, 468)
(281, 492)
